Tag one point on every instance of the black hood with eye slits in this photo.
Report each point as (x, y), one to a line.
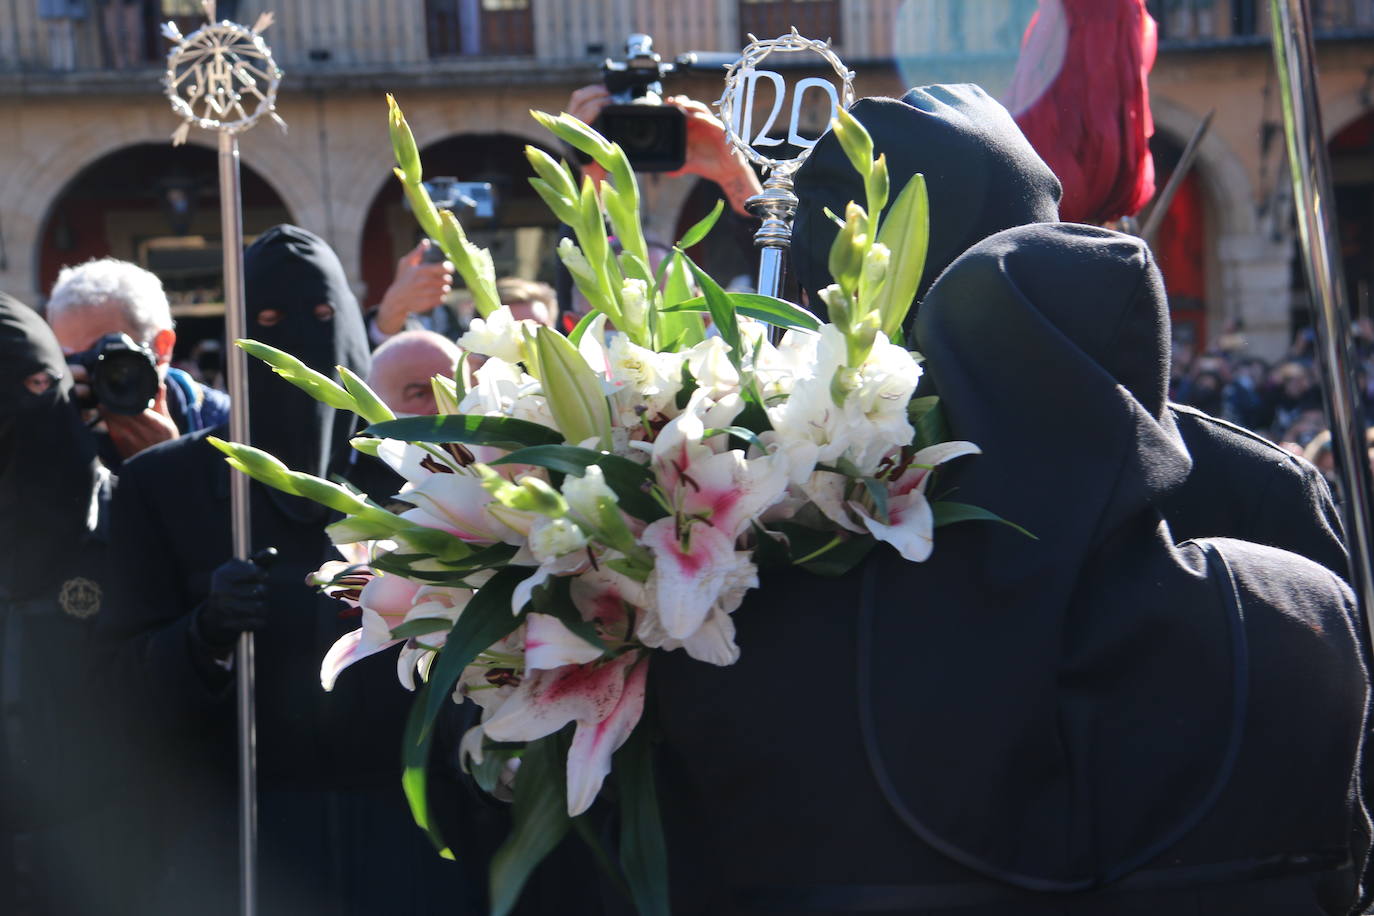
(48, 465)
(292, 272)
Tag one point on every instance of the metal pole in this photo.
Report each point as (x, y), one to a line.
(775, 206)
(231, 232)
(1309, 170)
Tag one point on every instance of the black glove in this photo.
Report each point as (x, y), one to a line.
(237, 602)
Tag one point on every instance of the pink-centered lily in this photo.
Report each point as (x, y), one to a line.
(384, 600)
(604, 698)
(910, 524)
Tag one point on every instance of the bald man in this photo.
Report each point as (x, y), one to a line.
(403, 366)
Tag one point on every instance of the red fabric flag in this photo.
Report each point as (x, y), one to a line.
(1080, 94)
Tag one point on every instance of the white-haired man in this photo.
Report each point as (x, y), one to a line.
(109, 296)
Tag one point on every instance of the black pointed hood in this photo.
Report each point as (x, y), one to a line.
(48, 466)
(981, 173)
(292, 272)
(1099, 702)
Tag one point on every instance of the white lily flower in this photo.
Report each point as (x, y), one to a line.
(869, 424)
(605, 699)
(709, 363)
(385, 601)
(910, 525)
(460, 505)
(642, 380)
(499, 335)
(549, 644)
(693, 572)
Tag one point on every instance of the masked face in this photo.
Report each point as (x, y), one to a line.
(298, 300)
(47, 456)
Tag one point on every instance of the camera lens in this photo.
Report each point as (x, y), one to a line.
(654, 137)
(125, 381)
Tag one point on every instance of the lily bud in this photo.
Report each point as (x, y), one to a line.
(854, 140)
(633, 295)
(846, 381)
(402, 141)
(366, 403)
(847, 252)
(256, 463)
(446, 393)
(316, 384)
(574, 392)
(327, 493)
(874, 273)
(474, 263)
(838, 305)
(555, 173)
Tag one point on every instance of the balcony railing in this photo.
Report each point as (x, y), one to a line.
(1194, 23)
(435, 36)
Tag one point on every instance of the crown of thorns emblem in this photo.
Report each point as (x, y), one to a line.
(222, 76)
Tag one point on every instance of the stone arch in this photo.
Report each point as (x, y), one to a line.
(1344, 110)
(27, 198)
(1248, 267)
(1228, 185)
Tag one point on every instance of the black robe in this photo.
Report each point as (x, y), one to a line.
(335, 833)
(69, 842)
(983, 176)
(1099, 721)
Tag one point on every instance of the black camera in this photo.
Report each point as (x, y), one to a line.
(123, 373)
(653, 135)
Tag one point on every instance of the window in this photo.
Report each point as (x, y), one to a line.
(771, 18)
(467, 28)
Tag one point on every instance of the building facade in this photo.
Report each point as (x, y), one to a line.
(86, 167)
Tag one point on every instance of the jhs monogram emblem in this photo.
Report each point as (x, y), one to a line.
(80, 597)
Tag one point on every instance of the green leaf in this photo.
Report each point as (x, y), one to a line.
(721, 308)
(877, 491)
(684, 329)
(774, 311)
(469, 429)
(575, 337)
(698, 231)
(827, 552)
(494, 757)
(905, 230)
(486, 619)
(540, 820)
(623, 476)
(421, 626)
(748, 436)
(643, 853)
(928, 418)
(947, 512)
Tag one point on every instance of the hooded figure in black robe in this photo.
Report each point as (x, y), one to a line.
(982, 177)
(335, 833)
(64, 848)
(981, 173)
(1095, 721)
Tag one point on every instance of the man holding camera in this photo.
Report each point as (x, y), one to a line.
(115, 327)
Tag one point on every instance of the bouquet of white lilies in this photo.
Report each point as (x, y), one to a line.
(581, 501)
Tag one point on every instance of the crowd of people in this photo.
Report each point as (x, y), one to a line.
(1280, 400)
(1169, 722)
